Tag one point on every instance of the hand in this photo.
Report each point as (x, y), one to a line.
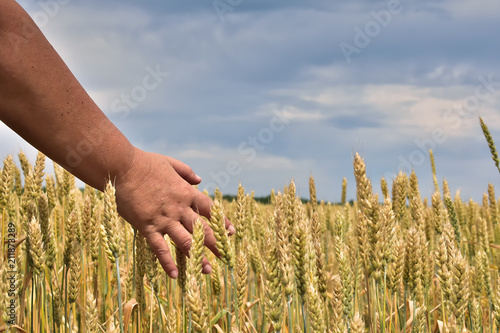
(155, 195)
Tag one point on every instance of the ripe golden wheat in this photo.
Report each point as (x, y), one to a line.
(69, 263)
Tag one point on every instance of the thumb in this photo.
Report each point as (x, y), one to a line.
(184, 171)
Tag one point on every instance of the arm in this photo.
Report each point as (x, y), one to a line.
(44, 103)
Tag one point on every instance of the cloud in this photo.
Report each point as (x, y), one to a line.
(227, 77)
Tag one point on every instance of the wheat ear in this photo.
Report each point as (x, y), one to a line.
(491, 144)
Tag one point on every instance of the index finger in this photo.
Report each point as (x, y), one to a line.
(162, 252)
(202, 204)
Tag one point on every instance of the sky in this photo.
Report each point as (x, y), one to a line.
(263, 92)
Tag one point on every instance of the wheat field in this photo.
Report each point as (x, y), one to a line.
(396, 263)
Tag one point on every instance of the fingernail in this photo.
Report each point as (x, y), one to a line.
(231, 230)
(197, 176)
(207, 269)
(174, 274)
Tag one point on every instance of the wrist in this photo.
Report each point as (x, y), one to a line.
(134, 170)
(121, 160)
(108, 156)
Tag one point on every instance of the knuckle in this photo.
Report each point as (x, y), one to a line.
(176, 211)
(162, 252)
(189, 192)
(207, 229)
(168, 226)
(185, 245)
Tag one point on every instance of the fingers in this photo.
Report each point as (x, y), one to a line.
(209, 240)
(229, 227)
(180, 233)
(201, 205)
(184, 171)
(162, 252)
(206, 268)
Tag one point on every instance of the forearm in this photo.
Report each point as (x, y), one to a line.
(42, 101)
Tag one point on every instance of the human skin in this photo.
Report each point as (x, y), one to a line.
(43, 102)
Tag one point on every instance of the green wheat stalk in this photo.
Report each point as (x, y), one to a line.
(491, 144)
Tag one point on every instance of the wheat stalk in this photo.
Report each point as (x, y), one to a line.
(343, 197)
(433, 168)
(312, 193)
(491, 144)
